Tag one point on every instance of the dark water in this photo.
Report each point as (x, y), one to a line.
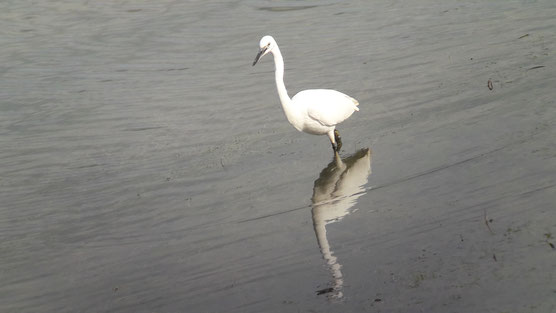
(147, 167)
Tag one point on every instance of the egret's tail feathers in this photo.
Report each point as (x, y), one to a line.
(356, 104)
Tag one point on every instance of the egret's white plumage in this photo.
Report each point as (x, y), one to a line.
(314, 111)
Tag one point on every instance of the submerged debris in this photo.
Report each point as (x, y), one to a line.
(487, 222)
(489, 84)
(548, 236)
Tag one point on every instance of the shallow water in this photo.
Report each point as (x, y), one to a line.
(147, 167)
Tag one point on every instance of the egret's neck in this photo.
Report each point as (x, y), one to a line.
(282, 92)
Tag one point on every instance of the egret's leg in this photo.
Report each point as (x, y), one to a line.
(331, 136)
(338, 139)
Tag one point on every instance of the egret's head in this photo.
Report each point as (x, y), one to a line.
(266, 45)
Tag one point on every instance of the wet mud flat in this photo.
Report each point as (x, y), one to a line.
(147, 167)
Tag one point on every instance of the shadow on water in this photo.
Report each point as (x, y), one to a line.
(287, 8)
(335, 193)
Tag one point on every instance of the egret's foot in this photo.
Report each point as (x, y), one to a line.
(338, 140)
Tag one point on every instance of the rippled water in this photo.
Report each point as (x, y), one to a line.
(147, 167)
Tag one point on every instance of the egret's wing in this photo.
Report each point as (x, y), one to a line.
(328, 107)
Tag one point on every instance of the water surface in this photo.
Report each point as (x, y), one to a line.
(147, 167)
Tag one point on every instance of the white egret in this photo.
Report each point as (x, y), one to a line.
(314, 111)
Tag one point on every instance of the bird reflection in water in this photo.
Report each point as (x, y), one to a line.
(335, 192)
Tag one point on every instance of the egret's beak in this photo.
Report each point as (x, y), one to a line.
(259, 55)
